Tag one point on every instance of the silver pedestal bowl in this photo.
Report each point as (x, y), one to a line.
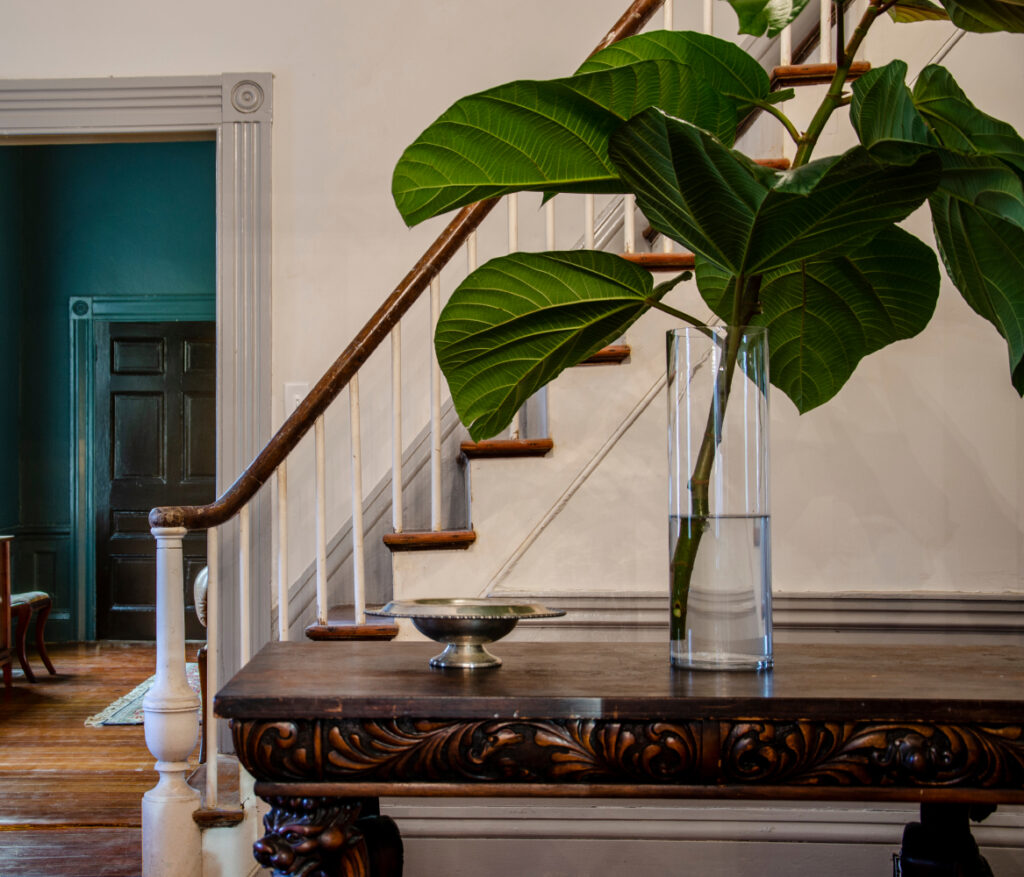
(466, 626)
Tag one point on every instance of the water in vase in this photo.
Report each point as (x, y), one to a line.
(728, 610)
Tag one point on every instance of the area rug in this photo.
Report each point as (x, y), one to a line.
(127, 710)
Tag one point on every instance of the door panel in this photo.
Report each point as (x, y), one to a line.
(154, 444)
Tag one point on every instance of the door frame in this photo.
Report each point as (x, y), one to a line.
(237, 110)
(84, 312)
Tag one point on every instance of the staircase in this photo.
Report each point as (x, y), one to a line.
(536, 503)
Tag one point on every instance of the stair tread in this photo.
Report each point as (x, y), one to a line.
(613, 353)
(809, 74)
(507, 448)
(661, 261)
(341, 624)
(429, 540)
(229, 806)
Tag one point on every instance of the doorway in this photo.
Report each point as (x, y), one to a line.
(153, 444)
(237, 110)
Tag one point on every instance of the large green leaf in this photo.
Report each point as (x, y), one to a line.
(749, 220)
(724, 66)
(986, 16)
(908, 11)
(978, 214)
(884, 116)
(766, 16)
(825, 315)
(959, 125)
(547, 136)
(519, 320)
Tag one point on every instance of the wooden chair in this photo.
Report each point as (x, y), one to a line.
(5, 608)
(22, 607)
(199, 590)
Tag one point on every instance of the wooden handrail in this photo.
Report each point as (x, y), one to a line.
(377, 328)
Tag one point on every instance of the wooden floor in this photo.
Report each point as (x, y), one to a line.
(70, 796)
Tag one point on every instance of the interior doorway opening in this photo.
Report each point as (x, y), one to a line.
(125, 223)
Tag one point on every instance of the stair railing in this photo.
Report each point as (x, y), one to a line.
(171, 708)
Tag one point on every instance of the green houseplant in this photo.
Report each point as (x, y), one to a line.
(815, 253)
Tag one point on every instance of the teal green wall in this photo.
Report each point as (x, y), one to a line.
(10, 319)
(110, 219)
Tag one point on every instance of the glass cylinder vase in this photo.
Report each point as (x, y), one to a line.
(719, 525)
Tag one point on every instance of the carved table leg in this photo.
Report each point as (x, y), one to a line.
(941, 843)
(329, 837)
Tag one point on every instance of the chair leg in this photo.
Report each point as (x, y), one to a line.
(201, 661)
(23, 612)
(41, 616)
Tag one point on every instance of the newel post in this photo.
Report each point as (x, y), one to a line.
(171, 841)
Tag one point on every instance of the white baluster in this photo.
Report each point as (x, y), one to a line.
(321, 523)
(212, 662)
(589, 221)
(435, 411)
(825, 31)
(629, 222)
(358, 548)
(708, 17)
(283, 607)
(786, 46)
(513, 222)
(549, 224)
(172, 846)
(667, 21)
(396, 428)
(471, 260)
(244, 588)
(515, 426)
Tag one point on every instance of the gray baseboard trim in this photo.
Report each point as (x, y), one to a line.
(798, 617)
(610, 819)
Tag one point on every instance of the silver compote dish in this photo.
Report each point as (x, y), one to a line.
(466, 626)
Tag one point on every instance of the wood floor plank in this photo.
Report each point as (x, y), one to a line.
(72, 852)
(71, 796)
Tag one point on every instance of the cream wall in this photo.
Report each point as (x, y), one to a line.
(354, 83)
(912, 479)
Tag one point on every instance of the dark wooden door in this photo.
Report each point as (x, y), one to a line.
(154, 444)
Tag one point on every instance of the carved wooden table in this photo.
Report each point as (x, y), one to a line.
(327, 728)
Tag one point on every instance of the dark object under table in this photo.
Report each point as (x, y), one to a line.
(328, 728)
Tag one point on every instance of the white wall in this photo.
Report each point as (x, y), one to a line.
(354, 83)
(912, 478)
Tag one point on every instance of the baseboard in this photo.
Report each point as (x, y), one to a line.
(607, 819)
(797, 617)
(595, 838)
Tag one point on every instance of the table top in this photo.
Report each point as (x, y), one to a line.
(831, 682)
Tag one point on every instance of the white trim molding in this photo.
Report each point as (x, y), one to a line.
(236, 109)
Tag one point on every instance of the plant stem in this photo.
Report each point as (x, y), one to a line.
(786, 122)
(681, 315)
(834, 98)
(746, 302)
(692, 529)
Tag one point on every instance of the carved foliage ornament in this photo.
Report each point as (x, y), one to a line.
(798, 752)
(576, 751)
(872, 754)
